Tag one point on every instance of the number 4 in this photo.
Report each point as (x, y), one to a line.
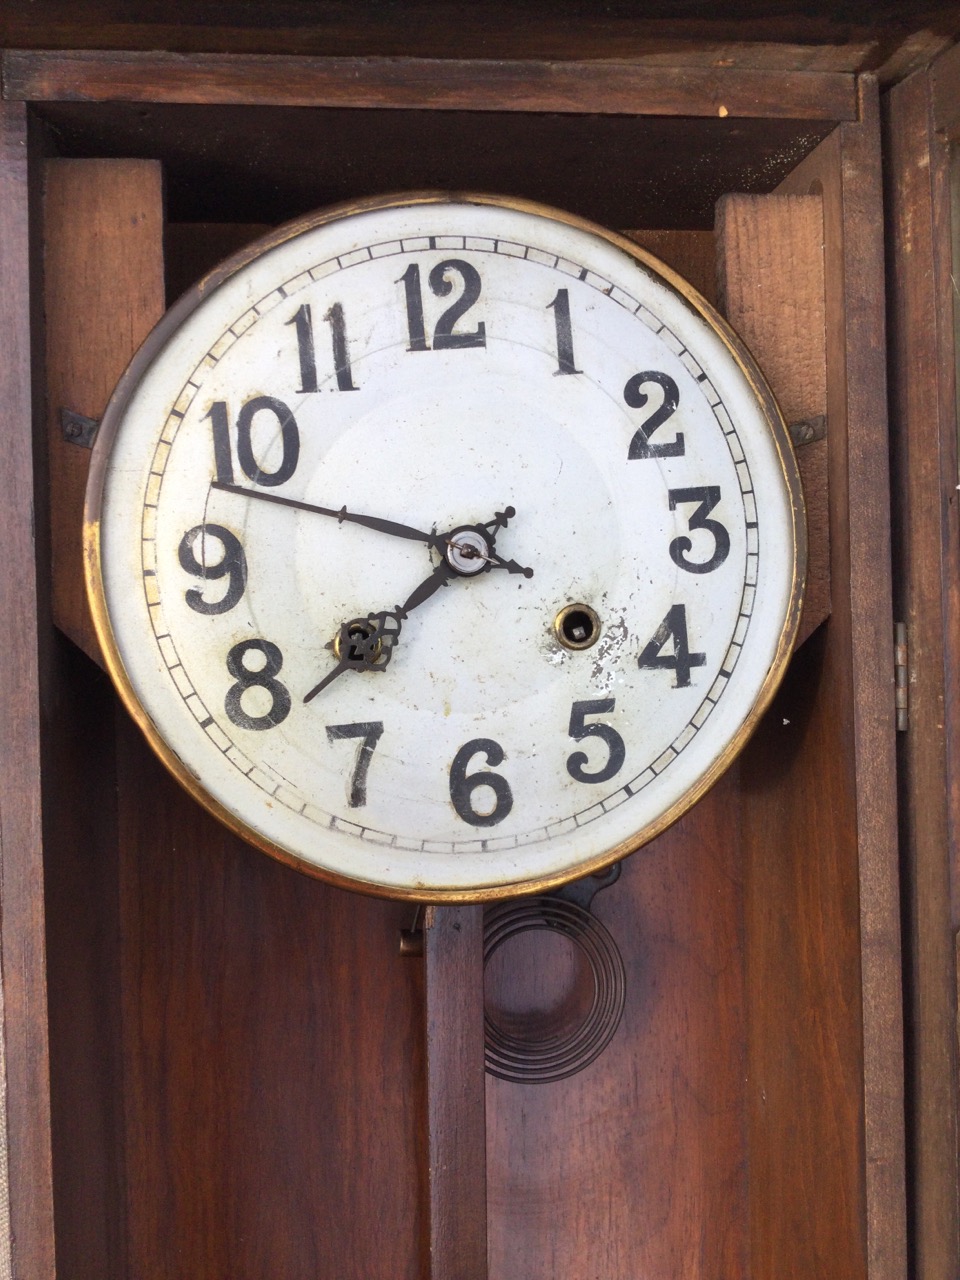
(681, 660)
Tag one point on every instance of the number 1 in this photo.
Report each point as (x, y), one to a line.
(303, 320)
(561, 316)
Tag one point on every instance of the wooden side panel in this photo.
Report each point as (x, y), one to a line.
(820, 823)
(83, 952)
(103, 265)
(927, 576)
(103, 289)
(691, 253)
(800, 862)
(272, 1056)
(26, 1225)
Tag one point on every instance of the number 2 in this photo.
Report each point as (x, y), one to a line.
(636, 398)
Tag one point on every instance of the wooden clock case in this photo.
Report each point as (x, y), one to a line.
(217, 1067)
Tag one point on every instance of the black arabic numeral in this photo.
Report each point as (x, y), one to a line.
(369, 732)
(289, 437)
(305, 349)
(307, 352)
(463, 784)
(259, 678)
(341, 356)
(222, 456)
(444, 337)
(636, 398)
(579, 729)
(232, 565)
(561, 316)
(414, 300)
(707, 496)
(674, 626)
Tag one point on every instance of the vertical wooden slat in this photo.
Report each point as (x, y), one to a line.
(103, 269)
(927, 585)
(455, 1115)
(23, 953)
(770, 263)
(103, 290)
(858, 669)
(799, 865)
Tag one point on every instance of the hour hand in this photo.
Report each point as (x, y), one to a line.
(363, 644)
(366, 644)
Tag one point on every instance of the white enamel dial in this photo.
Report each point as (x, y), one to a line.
(448, 548)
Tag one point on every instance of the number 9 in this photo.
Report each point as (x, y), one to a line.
(232, 565)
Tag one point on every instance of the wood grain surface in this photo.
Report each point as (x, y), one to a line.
(770, 252)
(441, 84)
(103, 292)
(927, 574)
(273, 1055)
(636, 1166)
(355, 151)
(856, 777)
(456, 1156)
(24, 615)
(693, 254)
(944, 77)
(894, 37)
(83, 968)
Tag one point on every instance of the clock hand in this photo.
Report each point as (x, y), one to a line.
(366, 644)
(391, 527)
(470, 548)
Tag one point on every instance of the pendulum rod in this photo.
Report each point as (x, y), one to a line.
(456, 1142)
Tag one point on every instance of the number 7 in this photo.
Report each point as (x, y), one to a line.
(369, 731)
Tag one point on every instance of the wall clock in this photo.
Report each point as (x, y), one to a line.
(447, 547)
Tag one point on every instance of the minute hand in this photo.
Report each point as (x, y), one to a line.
(391, 527)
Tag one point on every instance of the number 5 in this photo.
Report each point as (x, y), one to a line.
(579, 729)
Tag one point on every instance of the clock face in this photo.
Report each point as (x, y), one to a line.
(447, 548)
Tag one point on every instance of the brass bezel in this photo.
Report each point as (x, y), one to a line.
(158, 338)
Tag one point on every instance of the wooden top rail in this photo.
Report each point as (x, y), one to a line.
(595, 87)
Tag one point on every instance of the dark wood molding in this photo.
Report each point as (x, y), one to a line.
(27, 1095)
(847, 861)
(447, 84)
(891, 38)
(944, 78)
(921, 297)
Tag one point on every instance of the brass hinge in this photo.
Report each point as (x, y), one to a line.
(901, 697)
